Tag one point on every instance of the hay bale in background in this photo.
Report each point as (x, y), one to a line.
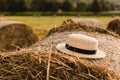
(23, 65)
(85, 22)
(114, 25)
(15, 35)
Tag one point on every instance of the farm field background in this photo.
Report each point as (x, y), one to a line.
(42, 24)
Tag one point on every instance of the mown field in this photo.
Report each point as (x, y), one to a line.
(42, 24)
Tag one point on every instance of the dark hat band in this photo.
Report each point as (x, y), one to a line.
(74, 49)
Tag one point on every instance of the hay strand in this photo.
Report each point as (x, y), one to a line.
(48, 67)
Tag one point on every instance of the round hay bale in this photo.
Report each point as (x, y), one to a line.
(108, 42)
(114, 25)
(84, 22)
(16, 35)
(23, 65)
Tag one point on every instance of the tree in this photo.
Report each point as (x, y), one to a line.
(39, 5)
(95, 7)
(103, 5)
(53, 5)
(16, 5)
(34, 6)
(81, 6)
(11, 7)
(28, 4)
(22, 6)
(106, 5)
(3, 5)
(111, 6)
(67, 5)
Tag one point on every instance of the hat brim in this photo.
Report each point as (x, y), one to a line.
(61, 47)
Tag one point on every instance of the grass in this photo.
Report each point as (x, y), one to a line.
(42, 24)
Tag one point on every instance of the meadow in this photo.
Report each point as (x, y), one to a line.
(42, 24)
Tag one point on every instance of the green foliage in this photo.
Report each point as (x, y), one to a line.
(38, 5)
(54, 5)
(106, 5)
(16, 5)
(44, 5)
(95, 7)
(28, 4)
(81, 6)
(111, 6)
(67, 5)
(22, 6)
(34, 5)
(3, 5)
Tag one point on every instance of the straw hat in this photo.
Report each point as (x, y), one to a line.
(82, 46)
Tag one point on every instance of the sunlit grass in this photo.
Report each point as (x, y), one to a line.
(42, 24)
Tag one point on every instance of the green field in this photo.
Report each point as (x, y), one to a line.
(41, 24)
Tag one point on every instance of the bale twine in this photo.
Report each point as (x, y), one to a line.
(108, 42)
(16, 35)
(114, 25)
(23, 65)
(84, 22)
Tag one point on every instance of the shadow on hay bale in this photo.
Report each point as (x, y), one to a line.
(16, 35)
(84, 22)
(114, 25)
(25, 66)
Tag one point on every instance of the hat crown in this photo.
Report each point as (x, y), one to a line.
(82, 42)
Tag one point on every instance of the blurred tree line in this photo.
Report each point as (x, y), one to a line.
(55, 5)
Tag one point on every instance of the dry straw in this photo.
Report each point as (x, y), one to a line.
(23, 65)
(16, 35)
